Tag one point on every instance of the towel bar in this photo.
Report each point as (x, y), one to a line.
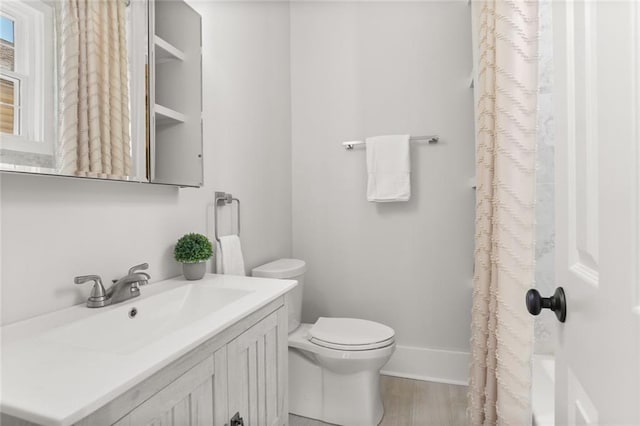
(224, 198)
(349, 145)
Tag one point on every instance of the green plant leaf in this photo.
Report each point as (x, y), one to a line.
(192, 248)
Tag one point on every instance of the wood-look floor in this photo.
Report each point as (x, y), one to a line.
(414, 403)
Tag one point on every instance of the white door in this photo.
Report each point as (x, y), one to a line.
(597, 110)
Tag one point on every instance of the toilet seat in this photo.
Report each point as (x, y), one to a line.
(368, 347)
(350, 334)
(301, 339)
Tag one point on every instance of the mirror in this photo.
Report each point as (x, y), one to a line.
(73, 88)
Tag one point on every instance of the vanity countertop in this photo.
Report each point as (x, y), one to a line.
(60, 367)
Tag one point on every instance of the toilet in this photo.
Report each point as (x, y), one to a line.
(334, 364)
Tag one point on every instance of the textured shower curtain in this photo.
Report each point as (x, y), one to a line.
(501, 328)
(93, 93)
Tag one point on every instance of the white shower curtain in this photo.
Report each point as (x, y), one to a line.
(93, 89)
(502, 329)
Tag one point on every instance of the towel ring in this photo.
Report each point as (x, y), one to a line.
(224, 198)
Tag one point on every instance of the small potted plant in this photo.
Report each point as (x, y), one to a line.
(193, 250)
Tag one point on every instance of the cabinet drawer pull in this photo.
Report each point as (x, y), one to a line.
(236, 420)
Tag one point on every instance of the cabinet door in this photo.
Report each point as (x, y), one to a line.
(196, 398)
(257, 372)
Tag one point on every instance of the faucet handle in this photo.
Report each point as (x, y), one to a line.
(144, 274)
(98, 295)
(136, 268)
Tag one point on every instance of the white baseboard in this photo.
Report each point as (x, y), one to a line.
(432, 365)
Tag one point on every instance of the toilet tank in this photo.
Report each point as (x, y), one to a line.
(290, 269)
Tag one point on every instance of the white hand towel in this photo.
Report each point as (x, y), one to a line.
(229, 259)
(388, 168)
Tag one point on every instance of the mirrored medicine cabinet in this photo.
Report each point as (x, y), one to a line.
(108, 89)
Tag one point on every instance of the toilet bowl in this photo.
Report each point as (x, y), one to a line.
(335, 363)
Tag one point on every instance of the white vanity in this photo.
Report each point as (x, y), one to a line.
(183, 353)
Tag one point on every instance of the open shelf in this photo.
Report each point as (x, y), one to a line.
(166, 115)
(165, 51)
(175, 93)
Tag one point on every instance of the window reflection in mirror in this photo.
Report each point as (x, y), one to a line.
(66, 88)
(9, 86)
(27, 85)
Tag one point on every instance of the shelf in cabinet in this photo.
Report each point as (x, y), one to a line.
(166, 115)
(165, 51)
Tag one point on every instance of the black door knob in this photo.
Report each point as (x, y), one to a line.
(557, 303)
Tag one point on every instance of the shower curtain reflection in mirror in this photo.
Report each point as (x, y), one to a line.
(93, 89)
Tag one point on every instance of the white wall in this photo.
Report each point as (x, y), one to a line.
(56, 228)
(367, 68)
(247, 101)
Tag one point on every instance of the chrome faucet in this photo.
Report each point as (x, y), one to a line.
(123, 289)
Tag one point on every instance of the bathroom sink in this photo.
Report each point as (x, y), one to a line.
(59, 367)
(133, 325)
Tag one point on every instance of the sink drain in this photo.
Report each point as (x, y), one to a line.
(133, 312)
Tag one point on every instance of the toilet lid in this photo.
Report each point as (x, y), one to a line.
(345, 333)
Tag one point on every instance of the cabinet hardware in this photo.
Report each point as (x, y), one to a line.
(236, 420)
